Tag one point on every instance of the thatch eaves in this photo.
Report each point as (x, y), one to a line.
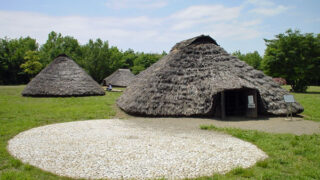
(188, 80)
(62, 78)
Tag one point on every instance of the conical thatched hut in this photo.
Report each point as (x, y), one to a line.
(63, 77)
(198, 78)
(120, 78)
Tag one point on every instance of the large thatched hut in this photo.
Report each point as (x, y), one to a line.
(62, 77)
(120, 78)
(198, 78)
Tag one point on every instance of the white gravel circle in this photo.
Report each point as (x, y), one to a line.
(117, 149)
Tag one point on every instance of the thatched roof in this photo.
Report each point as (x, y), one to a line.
(62, 77)
(121, 77)
(186, 82)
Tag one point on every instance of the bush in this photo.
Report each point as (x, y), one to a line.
(280, 81)
(299, 86)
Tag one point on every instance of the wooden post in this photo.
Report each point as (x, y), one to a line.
(223, 106)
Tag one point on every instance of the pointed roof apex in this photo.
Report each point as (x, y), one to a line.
(202, 39)
(63, 55)
(62, 77)
(190, 79)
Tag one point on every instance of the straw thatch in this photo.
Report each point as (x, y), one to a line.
(188, 80)
(121, 78)
(63, 77)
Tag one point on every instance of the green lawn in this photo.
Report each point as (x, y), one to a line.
(19, 113)
(291, 157)
(310, 101)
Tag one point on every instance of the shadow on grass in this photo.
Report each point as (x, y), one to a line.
(311, 92)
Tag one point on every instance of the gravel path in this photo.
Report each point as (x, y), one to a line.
(297, 126)
(280, 125)
(131, 149)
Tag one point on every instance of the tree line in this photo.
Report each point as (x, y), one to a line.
(291, 55)
(21, 59)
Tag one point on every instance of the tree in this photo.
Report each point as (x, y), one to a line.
(143, 61)
(253, 59)
(32, 66)
(57, 44)
(99, 60)
(128, 58)
(12, 53)
(294, 57)
(20, 59)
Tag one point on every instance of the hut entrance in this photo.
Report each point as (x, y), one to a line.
(235, 103)
(239, 102)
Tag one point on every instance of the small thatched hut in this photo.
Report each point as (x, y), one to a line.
(120, 78)
(62, 77)
(198, 78)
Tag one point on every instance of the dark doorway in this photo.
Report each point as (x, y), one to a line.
(237, 102)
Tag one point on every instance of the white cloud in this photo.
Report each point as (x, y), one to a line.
(263, 3)
(235, 31)
(270, 11)
(16, 24)
(266, 7)
(251, 23)
(139, 4)
(216, 12)
(141, 33)
(195, 15)
(216, 20)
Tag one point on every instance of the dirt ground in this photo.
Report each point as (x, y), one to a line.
(281, 125)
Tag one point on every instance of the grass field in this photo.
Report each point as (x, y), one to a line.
(19, 113)
(310, 101)
(291, 157)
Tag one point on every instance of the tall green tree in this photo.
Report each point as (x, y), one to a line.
(12, 53)
(295, 57)
(21, 59)
(99, 59)
(32, 66)
(253, 59)
(128, 58)
(57, 44)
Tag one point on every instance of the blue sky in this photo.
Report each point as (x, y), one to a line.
(156, 25)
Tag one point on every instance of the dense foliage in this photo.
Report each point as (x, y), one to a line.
(21, 59)
(294, 57)
(12, 56)
(253, 59)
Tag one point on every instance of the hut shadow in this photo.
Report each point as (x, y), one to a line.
(311, 92)
(232, 118)
(243, 118)
(60, 96)
(124, 115)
